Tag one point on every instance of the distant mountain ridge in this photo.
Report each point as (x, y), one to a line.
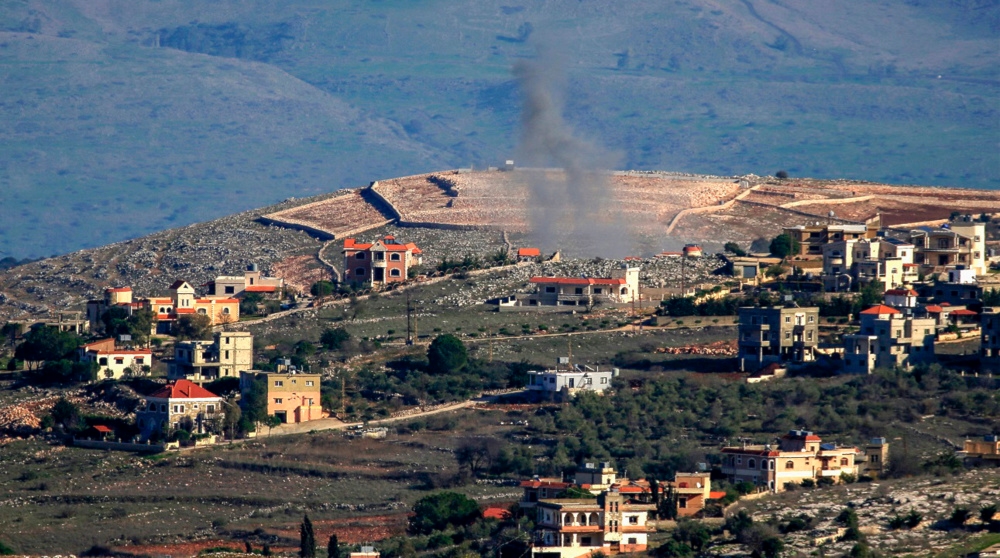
(128, 118)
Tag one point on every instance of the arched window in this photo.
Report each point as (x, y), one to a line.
(789, 465)
(359, 271)
(225, 310)
(394, 257)
(394, 273)
(751, 463)
(624, 290)
(360, 255)
(843, 461)
(202, 311)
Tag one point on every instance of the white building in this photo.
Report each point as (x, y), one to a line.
(115, 363)
(574, 378)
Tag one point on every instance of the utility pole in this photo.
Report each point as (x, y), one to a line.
(489, 337)
(409, 330)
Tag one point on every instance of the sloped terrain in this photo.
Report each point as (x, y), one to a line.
(126, 118)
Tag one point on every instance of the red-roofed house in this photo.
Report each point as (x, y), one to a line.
(901, 298)
(692, 250)
(621, 288)
(114, 363)
(889, 338)
(384, 261)
(499, 514)
(528, 254)
(179, 405)
(800, 455)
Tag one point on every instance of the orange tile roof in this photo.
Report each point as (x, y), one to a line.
(182, 389)
(261, 289)
(963, 312)
(102, 429)
(879, 310)
(496, 513)
(578, 280)
(184, 311)
(716, 494)
(144, 352)
(528, 252)
(216, 301)
(548, 483)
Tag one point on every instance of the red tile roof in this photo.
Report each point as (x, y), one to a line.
(547, 483)
(716, 494)
(528, 252)
(963, 312)
(103, 429)
(143, 352)
(496, 513)
(119, 290)
(182, 389)
(933, 309)
(578, 280)
(216, 300)
(184, 311)
(880, 309)
(261, 289)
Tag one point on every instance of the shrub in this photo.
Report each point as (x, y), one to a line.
(441, 510)
(825, 481)
(847, 478)
(959, 516)
(808, 483)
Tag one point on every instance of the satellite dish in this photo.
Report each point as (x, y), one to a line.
(832, 213)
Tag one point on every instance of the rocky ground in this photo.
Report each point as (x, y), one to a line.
(934, 498)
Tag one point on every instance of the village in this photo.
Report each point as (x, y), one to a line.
(204, 367)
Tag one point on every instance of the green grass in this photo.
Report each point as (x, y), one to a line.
(974, 544)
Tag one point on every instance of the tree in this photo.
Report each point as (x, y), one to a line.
(959, 516)
(775, 271)
(193, 326)
(784, 245)
(332, 549)
(735, 249)
(248, 305)
(991, 297)
(441, 510)
(232, 417)
(141, 324)
(987, 512)
(66, 414)
(447, 354)
(693, 533)
(254, 402)
(782, 174)
(272, 421)
(668, 507)
(307, 539)
(47, 343)
(334, 338)
(115, 320)
(322, 288)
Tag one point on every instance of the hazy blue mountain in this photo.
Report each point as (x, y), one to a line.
(124, 117)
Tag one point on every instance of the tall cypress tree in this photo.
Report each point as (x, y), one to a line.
(332, 551)
(307, 539)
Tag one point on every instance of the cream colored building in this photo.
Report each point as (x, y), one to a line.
(233, 286)
(800, 455)
(115, 363)
(889, 338)
(989, 342)
(229, 353)
(180, 404)
(576, 527)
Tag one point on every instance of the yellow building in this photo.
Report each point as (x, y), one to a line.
(291, 396)
(800, 455)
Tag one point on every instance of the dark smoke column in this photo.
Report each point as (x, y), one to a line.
(580, 211)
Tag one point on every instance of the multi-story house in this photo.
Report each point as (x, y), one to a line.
(800, 455)
(776, 334)
(292, 396)
(863, 261)
(812, 238)
(989, 352)
(574, 378)
(889, 338)
(960, 242)
(611, 523)
(115, 363)
(179, 405)
(621, 288)
(876, 457)
(901, 298)
(229, 353)
(234, 286)
(381, 262)
(182, 301)
(985, 451)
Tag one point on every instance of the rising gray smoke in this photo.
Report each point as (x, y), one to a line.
(579, 211)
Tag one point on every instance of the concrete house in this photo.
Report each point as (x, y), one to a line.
(989, 351)
(889, 338)
(776, 334)
(115, 363)
(180, 404)
(574, 378)
(229, 353)
(812, 238)
(235, 286)
(525, 255)
(384, 261)
(291, 396)
(611, 523)
(621, 288)
(800, 455)
(962, 241)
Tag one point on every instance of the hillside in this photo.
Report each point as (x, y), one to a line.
(128, 118)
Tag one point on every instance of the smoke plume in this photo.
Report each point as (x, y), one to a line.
(576, 208)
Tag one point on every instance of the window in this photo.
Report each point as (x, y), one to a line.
(210, 408)
(278, 383)
(624, 290)
(812, 319)
(598, 290)
(751, 463)
(590, 381)
(360, 255)
(788, 319)
(163, 408)
(550, 289)
(394, 273)
(309, 383)
(195, 405)
(359, 271)
(809, 335)
(789, 465)
(230, 289)
(631, 540)
(604, 380)
(633, 520)
(578, 290)
(294, 382)
(843, 461)
(139, 360)
(178, 408)
(225, 310)
(227, 354)
(682, 503)
(277, 400)
(119, 360)
(202, 311)
(394, 257)
(311, 401)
